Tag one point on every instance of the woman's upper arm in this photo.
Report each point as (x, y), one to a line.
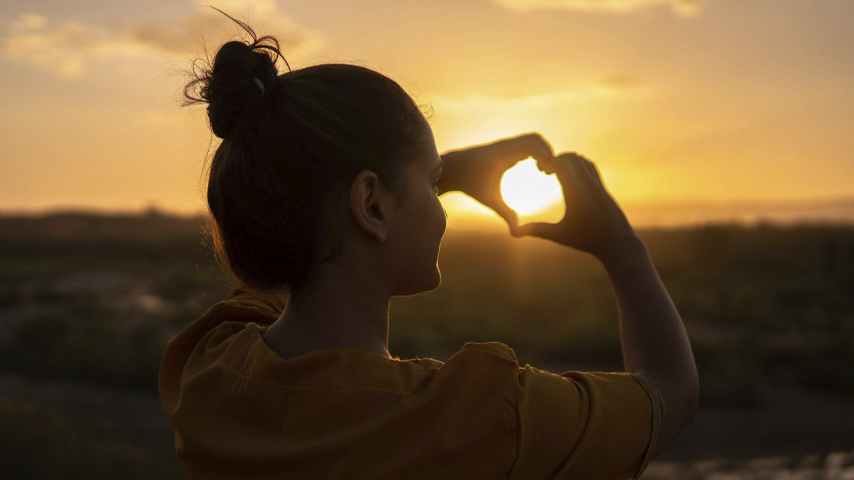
(585, 425)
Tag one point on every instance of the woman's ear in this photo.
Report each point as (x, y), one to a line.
(366, 202)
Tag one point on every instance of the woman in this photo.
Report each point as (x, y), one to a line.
(325, 188)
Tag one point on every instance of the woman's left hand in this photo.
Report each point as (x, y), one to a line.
(477, 171)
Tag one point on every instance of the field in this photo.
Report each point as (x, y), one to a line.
(88, 303)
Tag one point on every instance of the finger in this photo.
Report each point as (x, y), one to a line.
(570, 171)
(589, 175)
(582, 164)
(591, 169)
(504, 211)
(512, 150)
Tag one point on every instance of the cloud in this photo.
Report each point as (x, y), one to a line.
(61, 48)
(66, 47)
(685, 8)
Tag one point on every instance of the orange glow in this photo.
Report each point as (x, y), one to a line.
(682, 131)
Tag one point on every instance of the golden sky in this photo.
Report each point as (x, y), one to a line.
(717, 102)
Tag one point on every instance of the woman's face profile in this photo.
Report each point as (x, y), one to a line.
(419, 223)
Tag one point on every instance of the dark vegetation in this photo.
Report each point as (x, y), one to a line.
(96, 298)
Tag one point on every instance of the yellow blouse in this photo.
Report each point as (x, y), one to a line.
(242, 412)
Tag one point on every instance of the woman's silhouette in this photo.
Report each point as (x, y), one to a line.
(323, 198)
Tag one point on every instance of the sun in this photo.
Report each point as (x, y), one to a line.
(531, 192)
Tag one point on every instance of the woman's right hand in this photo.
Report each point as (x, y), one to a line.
(593, 222)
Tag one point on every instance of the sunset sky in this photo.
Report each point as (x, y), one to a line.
(715, 102)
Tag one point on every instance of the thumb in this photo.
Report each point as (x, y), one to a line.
(508, 214)
(536, 229)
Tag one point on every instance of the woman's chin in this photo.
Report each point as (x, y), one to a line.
(427, 283)
(437, 280)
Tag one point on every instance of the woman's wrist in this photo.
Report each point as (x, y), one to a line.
(621, 250)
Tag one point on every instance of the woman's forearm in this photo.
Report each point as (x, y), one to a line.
(654, 340)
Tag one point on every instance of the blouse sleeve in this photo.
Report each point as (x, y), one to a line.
(585, 425)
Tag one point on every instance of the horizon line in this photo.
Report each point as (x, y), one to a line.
(841, 201)
(681, 215)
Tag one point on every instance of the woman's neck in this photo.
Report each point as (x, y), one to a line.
(336, 311)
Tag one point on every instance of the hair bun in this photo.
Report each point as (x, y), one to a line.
(231, 88)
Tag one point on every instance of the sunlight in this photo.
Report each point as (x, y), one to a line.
(530, 191)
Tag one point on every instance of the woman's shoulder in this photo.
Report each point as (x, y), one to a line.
(495, 349)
